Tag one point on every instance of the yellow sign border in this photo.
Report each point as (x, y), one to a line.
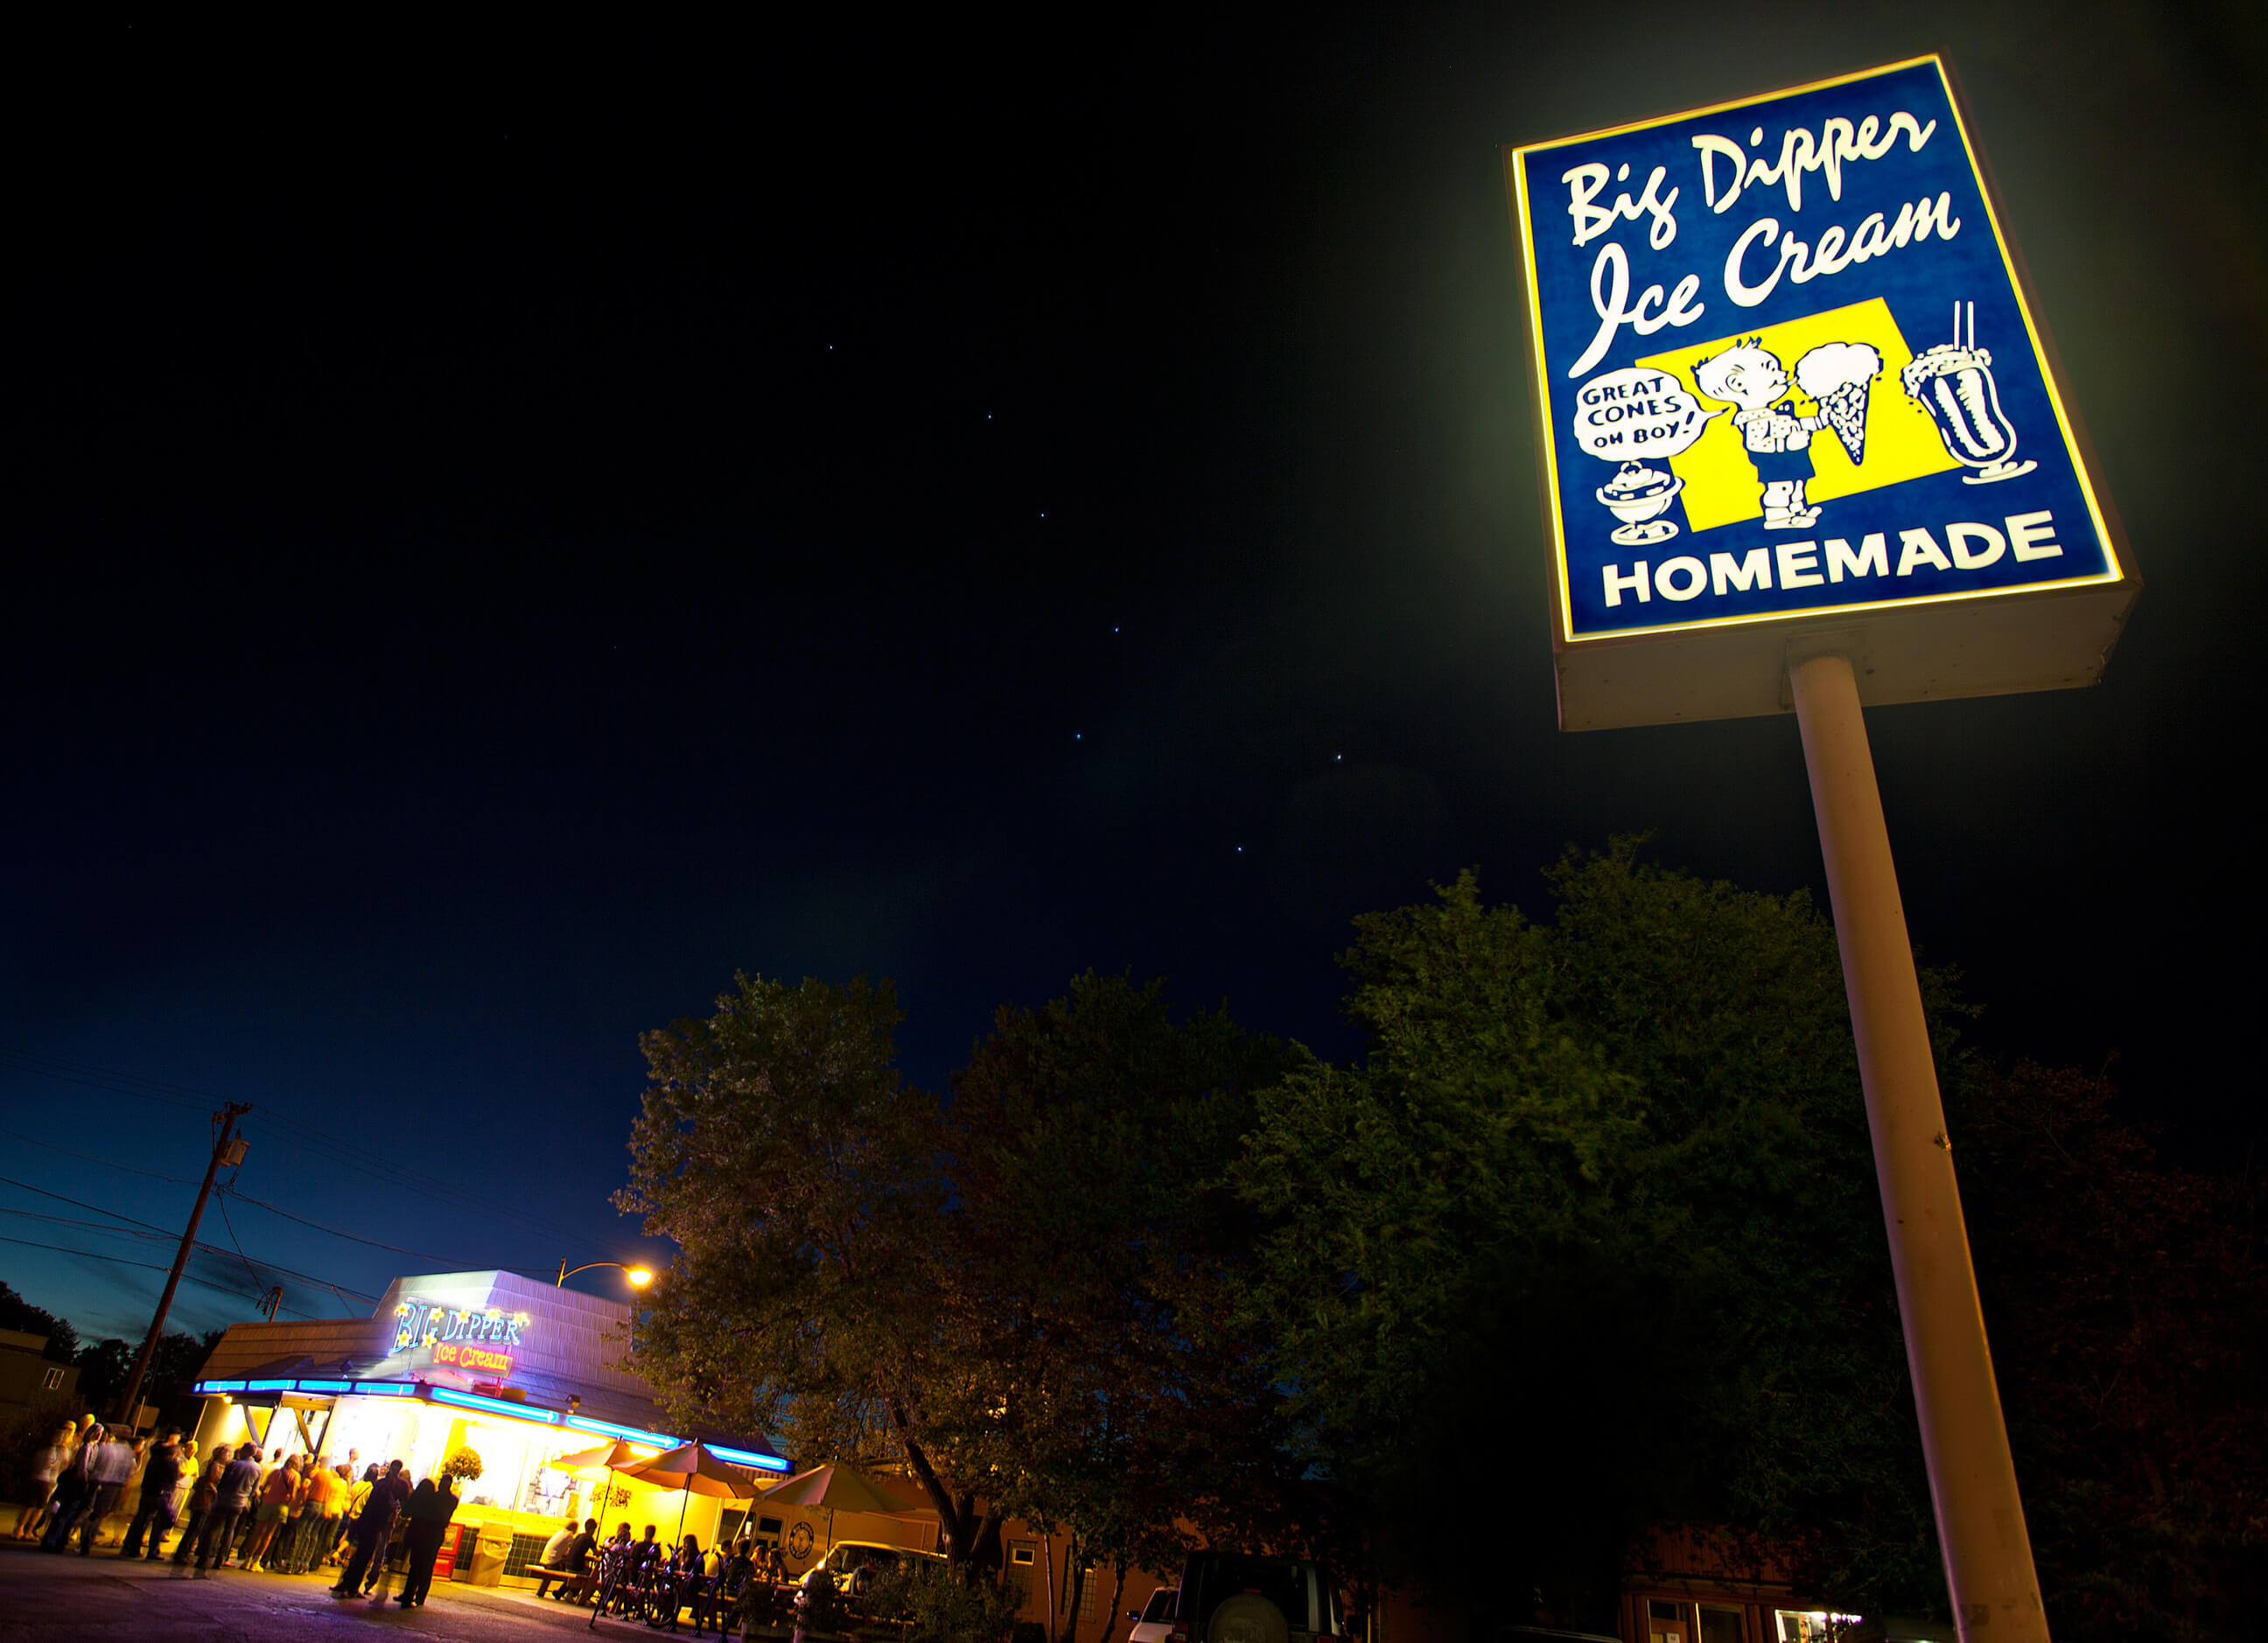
(1515, 163)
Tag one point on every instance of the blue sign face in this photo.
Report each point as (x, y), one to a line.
(1785, 367)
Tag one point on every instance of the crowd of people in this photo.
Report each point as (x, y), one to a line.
(633, 1572)
(297, 1515)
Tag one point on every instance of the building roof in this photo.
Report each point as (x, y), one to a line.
(569, 1345)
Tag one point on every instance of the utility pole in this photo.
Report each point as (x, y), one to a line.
(229, 1150)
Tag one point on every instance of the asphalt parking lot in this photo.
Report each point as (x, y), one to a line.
(47, 1596)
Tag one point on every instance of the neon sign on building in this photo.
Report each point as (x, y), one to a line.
(464, 1337)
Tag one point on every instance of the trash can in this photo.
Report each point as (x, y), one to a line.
(455, 1560)
(489, 1552)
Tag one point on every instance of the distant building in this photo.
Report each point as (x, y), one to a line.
(519, 1371)
(28, 1376)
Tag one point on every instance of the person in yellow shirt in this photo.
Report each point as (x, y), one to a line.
(357, 1497)
(322, 1501)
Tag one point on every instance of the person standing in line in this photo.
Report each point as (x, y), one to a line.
(335, 1526)
(72, 1487)
(358, 1498)
(47, 1470)
(429, 1510)
(205, 1494)
(279, 1492)
(319, 1499)
(374, 1528)
(114, 1464)
(234, 1505)
(188, 1466)
(154, 1512)
(95, 1476)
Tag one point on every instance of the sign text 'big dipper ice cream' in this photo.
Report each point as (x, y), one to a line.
(1785, 368)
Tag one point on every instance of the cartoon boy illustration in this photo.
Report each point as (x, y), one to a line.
(1751, 377)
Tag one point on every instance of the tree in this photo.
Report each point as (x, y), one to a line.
(800, 1176)
(1589, 1241)
(173, 1375)
(18, 1314)
(103, 1367)
(1015, 1294)
(2128, 1303)
(1084, 1262)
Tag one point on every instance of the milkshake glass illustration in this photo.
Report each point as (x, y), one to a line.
(1953, 383)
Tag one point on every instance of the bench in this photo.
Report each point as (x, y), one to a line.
(544, 1577)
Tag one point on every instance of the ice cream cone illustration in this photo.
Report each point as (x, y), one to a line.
(1953, 383)
(1841, 376)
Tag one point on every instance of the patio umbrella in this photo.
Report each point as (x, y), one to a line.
(842, 1489)
(609, 1458)
(692, 1468)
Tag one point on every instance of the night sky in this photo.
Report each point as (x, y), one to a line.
(502, 531)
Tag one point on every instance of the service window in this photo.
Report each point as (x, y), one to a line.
(1667, 1622)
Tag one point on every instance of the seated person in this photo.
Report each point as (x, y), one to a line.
(558, 1544)
(684, 1572)
(713, 1603)
(576, 1559)
(618, 1552)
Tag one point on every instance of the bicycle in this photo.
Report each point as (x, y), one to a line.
(614, 1587)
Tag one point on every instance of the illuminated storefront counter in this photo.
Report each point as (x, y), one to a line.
(518, 1371)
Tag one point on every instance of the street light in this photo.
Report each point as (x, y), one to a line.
(638, 1276)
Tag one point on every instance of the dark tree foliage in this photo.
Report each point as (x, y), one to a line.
(1088, 1257)
(1015, 1296)
(799, 1176)
(1590, 1241)
(103, 1367)
(2128, 1304)
(20, 1314)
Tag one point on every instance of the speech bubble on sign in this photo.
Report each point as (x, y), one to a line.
(1634, 412)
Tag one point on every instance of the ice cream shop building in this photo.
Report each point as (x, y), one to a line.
(519, 1371)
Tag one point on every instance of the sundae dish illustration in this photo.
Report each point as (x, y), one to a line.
(1953, 383)
(1638, 494)
(1749, 377)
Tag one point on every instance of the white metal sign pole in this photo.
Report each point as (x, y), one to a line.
(1973, 1478)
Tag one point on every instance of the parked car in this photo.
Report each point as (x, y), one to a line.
(1232, 1598)
(1155, 1618)
(854, 1566)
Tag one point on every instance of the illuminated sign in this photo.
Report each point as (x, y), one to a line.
(465, 1355)
(1785, 369)
(462, 1337)
(495, 1405)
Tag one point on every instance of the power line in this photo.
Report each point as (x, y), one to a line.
(67, 1220)
(306, 1278)
(427, 1186)
(306, 1136)
(96, 1208)
(334, 1232)
(222, 1206)
(117, 1260)
(179, 1181)
(97, 1078)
